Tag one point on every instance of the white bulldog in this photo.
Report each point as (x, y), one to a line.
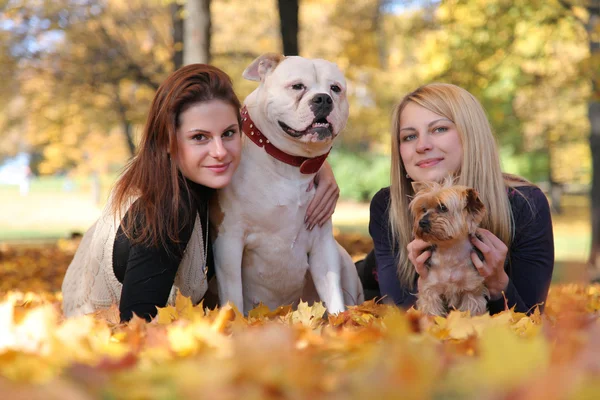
(263, 251)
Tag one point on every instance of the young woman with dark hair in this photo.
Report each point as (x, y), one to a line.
(152, 238)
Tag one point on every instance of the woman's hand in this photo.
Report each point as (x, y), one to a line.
(418, 254)
(492, 267)
(327, 193)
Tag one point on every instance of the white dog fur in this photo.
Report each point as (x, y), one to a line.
(262, 248)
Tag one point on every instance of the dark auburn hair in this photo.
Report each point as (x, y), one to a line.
(152, 175)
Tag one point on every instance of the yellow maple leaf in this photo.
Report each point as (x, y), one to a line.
(166, 315)
(507, 358)
(184, 307)
(308, 316)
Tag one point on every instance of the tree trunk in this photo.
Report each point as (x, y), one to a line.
(197, 31)
(382, 47)
(128, 131)
(594, 116)
(177, 21)
(288, 22)
(555, 188)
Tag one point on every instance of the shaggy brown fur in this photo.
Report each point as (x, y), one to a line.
(447, 215)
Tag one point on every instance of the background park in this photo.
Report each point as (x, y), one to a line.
(77, 78)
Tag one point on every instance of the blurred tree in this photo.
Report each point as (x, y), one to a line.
(197, 32)
(178, 27)
(288, 24)
(521, 59)
(87, 67)
(588, 13)
(593, 29)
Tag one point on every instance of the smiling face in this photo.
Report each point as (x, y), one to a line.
(209, 143)
(300, 104)
(430, 145)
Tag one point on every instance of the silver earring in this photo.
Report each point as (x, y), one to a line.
(407, 176)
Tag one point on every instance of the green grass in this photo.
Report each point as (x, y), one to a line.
(48, 211)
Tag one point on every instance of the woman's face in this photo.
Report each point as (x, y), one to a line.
(430, 146)
(209, 143)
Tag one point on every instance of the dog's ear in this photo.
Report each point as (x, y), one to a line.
(261, 66)
(475, 206)
(419, 185)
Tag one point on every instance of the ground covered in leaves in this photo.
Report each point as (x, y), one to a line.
(369, 351)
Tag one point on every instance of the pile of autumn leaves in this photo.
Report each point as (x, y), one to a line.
(369, 351)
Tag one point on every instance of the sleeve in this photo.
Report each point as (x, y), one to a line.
(149, 276)
(531, 255)
(386, 252)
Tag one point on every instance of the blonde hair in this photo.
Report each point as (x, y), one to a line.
(480, 167)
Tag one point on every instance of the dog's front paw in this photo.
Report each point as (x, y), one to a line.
(432, 304)
(476, 304)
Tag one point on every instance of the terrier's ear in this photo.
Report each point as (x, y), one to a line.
(475, 206)
(419, 185)
(261, 66)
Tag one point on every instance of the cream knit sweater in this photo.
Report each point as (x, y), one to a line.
(90, 283)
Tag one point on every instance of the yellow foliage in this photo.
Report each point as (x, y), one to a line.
(369, 350)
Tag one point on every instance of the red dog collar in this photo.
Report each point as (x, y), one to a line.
(307, 165)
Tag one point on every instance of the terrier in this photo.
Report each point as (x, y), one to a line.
(447, 215)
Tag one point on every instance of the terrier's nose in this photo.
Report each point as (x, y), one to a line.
(424, 224)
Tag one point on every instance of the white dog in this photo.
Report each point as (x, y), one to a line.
(263, 251)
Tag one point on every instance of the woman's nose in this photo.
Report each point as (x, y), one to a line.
(217, 149)
(423, 143)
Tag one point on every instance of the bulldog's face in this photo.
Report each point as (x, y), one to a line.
(301, 99)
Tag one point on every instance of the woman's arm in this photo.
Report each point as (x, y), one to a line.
(386, 253)
(531, 255)
(147, 273)
(149, 276)
(327, 193)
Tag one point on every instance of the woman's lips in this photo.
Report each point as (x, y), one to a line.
(430, 162)
(218, 168)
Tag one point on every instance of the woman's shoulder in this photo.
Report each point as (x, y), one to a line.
(382, 196)
(527, 194)
(528, 203)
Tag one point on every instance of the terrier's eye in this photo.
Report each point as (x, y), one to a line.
(424, 210)
(442, 208)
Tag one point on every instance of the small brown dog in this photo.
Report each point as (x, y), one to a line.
(447, 215)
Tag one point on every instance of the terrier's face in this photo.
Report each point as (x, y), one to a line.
(445, 212)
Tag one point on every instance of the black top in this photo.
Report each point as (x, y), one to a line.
(529, 262)
(148, 272)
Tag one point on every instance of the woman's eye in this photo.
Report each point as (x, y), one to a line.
(199, 138)
(229, 133)
(440, 129)
(298, 86)
(408, 138)
(336, 88)
(442, 208)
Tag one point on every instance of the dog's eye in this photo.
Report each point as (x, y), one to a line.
(336, 88)
(298, 86)
(442, 208)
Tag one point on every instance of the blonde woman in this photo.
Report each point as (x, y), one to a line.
(442, 129)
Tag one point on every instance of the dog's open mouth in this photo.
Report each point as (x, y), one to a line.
(320, 128)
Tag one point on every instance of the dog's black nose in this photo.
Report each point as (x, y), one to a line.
(424, 224)
(322, 98)
(321, 105)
